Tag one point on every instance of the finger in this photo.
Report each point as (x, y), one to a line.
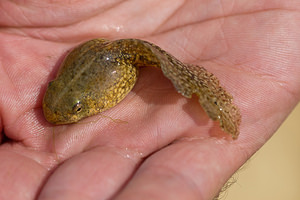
(95, 174)
(189, 169)
(20, 176)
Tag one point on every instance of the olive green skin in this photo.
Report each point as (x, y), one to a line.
(98, 74)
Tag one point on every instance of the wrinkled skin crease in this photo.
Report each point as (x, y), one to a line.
(169, 143)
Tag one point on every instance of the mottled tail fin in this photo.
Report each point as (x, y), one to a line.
(214, 99)
(192, 79)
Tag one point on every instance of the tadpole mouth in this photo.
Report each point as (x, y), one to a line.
(55, 117)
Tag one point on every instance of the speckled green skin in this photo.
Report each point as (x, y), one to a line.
(98, 74)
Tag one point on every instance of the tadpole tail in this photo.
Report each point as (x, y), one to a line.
(191, 79)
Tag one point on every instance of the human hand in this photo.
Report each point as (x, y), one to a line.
(169, 149)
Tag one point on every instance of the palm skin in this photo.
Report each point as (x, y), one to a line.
(168, 149)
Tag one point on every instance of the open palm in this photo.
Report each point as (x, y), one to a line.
(168, 148)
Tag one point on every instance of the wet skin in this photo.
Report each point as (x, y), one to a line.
(98, 74)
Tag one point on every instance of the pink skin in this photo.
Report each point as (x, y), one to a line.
(169, 149)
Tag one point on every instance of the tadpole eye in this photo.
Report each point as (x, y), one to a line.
(77, 107)
(50, 83)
